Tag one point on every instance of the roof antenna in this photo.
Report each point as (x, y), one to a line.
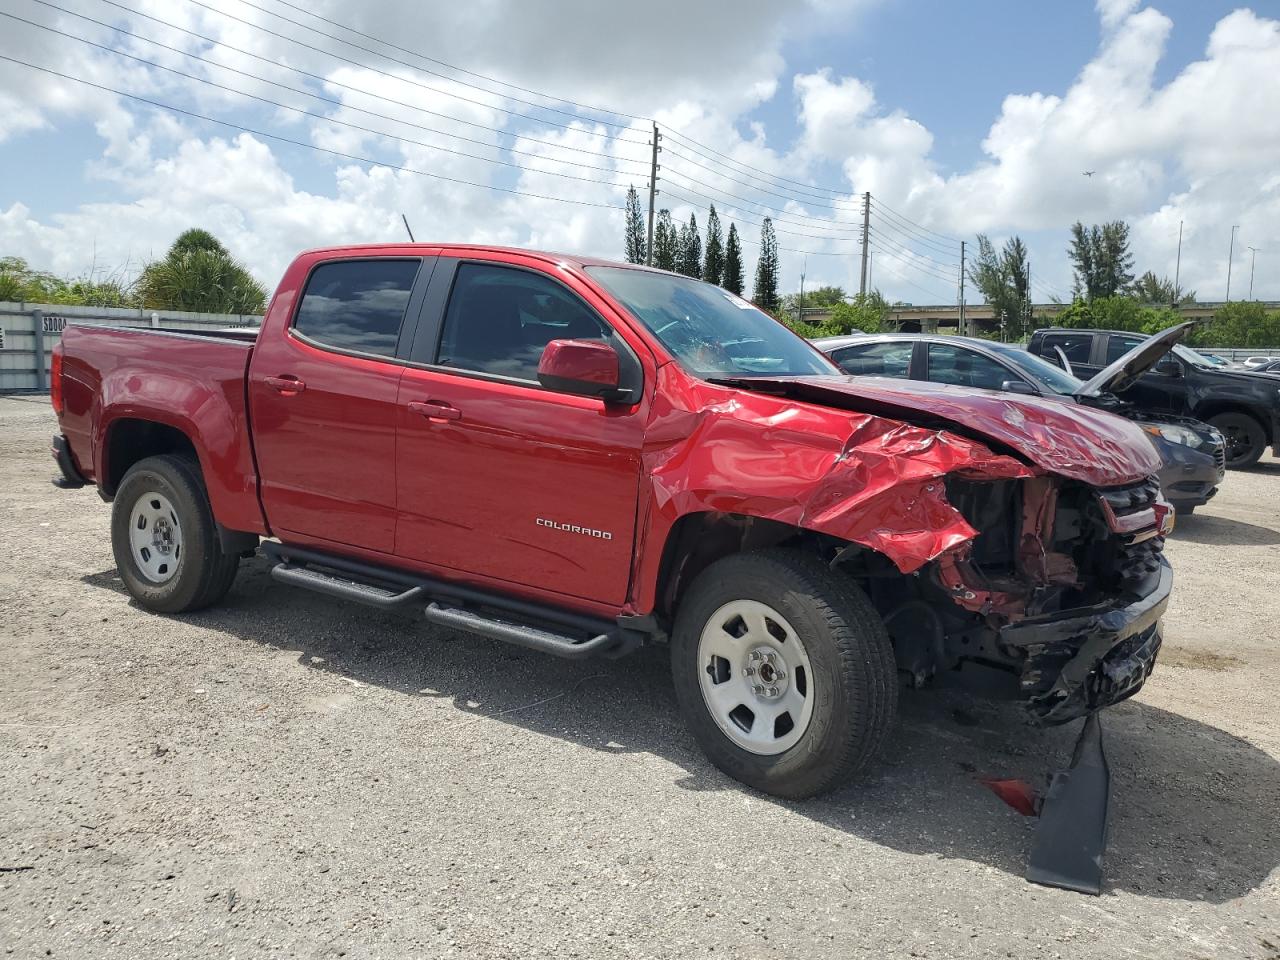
(406, 228)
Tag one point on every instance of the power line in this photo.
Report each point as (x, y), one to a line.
(758, 223)
(424, 86)
(315, 96)
(770, 212)
(914, 236)
(895, 244)
(299, 143)
(325, 80)
(470, 73)
(308, 113)
(690, 144)
(911, 263)
(786, 195)
(703, 183)
(900, 216)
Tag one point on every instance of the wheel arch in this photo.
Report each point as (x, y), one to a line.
(1213, 408)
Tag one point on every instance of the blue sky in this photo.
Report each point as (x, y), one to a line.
(959, 117)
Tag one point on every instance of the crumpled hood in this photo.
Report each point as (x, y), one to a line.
(1074, 441)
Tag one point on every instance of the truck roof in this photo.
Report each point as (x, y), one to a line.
(569, 259)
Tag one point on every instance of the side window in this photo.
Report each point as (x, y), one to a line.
(357, 304)
(1077, 347)
(965, 367)
(888, 359)
(499, 319)
(1117, 347)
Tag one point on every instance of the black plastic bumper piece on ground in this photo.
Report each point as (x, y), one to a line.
(1072, 836)
(1082, 660)
(70, 479)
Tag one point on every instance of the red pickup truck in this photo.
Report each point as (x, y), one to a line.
(581, 457)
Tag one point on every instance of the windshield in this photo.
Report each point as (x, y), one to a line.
(1044, 373)
(709, 330)
(1193, 358)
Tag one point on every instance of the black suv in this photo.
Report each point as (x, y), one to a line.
(1245, 406)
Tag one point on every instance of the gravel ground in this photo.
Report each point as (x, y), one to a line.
(291, 776)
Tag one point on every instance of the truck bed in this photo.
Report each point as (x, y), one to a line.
(191, 380)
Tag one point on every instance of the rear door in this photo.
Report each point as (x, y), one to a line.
(323, 397)
(961, 366)
(498, 477)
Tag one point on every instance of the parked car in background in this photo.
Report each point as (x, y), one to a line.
(1254, 363)
(1192, 453)
(1244, 406)
(581, 457)
(1271, 366)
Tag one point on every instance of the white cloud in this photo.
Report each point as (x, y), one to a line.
(1199, 148)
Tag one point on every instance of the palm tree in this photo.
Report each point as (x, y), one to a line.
(199, 274)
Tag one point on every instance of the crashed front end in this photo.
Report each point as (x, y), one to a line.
(1064, 584)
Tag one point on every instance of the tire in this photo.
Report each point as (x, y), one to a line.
(1246, 440)
(841, 679)
(162, 504)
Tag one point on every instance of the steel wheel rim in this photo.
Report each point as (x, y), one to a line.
(755, 677)
(155, 537)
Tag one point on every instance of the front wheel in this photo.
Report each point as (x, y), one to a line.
(165, 540)
(783, 672)
(1246, 440)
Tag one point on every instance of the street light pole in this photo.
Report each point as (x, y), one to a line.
(1231, 251)
(1253, 259)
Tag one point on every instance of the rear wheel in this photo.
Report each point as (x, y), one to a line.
(783, 672)
(165, 540)
(1246, 440)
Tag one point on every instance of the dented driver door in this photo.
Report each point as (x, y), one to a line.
(496, 476)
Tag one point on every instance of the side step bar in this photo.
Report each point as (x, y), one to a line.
(545, 629)
(522, 636)
(365, 593)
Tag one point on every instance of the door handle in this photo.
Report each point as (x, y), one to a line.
(285, 386)
(436, 411)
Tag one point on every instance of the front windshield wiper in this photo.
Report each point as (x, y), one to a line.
(760, 384)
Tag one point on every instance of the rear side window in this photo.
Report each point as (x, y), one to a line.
(357, 305)
(1077, 347)
(965, 368)
(1117, 347)
(500, 319)
(892, 359)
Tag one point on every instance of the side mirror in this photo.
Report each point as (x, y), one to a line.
(587, 368)
(1019, 386)
(1169, 368)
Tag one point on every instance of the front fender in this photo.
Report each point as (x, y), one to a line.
(859, 477)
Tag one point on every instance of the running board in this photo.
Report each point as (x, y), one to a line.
(365, 593)
(560, 633)
(544, 641)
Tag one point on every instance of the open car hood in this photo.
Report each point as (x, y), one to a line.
(1124, 373)
(1068, 439)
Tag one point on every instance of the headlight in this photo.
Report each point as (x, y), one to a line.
(1175, 434)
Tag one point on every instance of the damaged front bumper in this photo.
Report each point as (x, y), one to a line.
(1078, 661)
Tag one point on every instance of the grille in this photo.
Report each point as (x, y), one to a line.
(1132, 497)
(1220, 456)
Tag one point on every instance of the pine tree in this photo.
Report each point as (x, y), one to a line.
(713, 262)
(635, 230)
(665, 242)
(765, 295)
(733, 274)
(689, 258)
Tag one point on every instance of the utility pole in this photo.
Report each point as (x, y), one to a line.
(1177, 270)
(866, 231)
(800, 305)
(1231, 251)
(653, 192)
(962, 324)
(1253, 260)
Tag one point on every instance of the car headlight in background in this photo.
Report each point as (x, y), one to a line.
(1176, 434)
